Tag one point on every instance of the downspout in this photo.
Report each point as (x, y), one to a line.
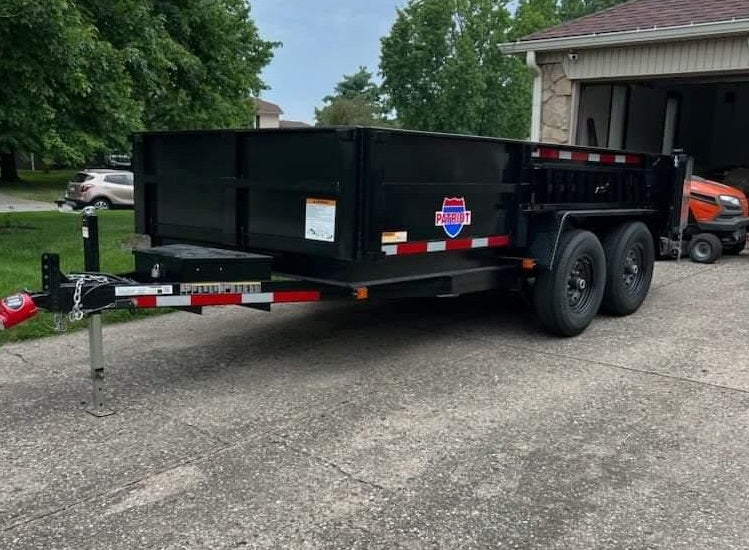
(538, 91)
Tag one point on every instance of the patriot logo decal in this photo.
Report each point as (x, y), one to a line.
(453, 216)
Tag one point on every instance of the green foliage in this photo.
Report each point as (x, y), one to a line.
(532, 16)
(64, 88)
(356, 100)
(443, 70)
(357, 85)
(342, 111)
(219, 59)
(80, 76)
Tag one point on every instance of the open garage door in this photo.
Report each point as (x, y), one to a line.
(708, 118)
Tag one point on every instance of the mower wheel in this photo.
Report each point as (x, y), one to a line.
(705, 248)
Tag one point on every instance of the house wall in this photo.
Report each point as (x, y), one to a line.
(557, 101)
(268, 120)
(658, 60)
(560, 72)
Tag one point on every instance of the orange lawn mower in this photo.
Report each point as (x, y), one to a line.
(718, 219)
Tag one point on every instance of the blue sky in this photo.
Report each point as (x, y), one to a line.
(322, 41)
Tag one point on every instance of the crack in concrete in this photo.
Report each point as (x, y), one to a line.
(60, 509)
(198, 429)
(330, 464)
(684, 278)
(18, 355)
(10, 526)
(627, 368)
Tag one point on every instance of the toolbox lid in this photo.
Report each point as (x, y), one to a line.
(200, 253)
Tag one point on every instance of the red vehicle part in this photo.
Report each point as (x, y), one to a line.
(16, 309)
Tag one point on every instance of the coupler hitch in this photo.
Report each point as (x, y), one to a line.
(16, 309)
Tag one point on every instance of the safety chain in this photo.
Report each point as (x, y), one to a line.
(77, 313)
(61, 324)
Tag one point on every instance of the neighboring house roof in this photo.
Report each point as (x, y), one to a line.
(642, 21)
(267, 108)
(292, 124)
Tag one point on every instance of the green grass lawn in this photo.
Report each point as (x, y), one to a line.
(25, 236)
(38, 185)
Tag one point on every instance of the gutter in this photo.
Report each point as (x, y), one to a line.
(530, 60)
(626, 38)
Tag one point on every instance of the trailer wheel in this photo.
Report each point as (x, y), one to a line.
(568, 296)
(630, 261)
(705, 248)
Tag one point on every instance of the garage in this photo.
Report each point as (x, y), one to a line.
(648, 75)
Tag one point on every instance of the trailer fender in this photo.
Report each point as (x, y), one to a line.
(544, 238)
(546, 232)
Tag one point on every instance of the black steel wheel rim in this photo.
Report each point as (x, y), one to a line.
(633, 273)
(580, 284)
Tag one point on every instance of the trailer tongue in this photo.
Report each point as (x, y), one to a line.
(258, 218)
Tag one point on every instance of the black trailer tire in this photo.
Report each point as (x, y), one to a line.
(630, 262)
(738, 247)
(568, 296)
(705, 248)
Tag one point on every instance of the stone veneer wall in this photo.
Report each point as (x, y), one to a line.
(556, 109)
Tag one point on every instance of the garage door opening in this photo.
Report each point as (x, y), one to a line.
(709, 119)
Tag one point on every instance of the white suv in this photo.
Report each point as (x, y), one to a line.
(100, 188)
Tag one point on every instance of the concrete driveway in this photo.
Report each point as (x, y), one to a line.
(423, 424)
(9, 203)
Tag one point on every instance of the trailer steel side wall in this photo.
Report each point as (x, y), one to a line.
(254, 190)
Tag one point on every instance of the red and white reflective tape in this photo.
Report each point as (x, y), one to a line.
(548, 153)
(424, 247)
(199, 300)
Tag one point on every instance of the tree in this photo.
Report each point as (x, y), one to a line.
(443, 70)
(218, 68)
(359, 84)
(356, 100)
(64, 90)
(343, 111)
(532, 16)
(80, 76)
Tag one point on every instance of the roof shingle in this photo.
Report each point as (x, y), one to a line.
(648, 14)
(267, 108)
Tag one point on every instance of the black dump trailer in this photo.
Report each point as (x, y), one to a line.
(367, 212)
(261, 217)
